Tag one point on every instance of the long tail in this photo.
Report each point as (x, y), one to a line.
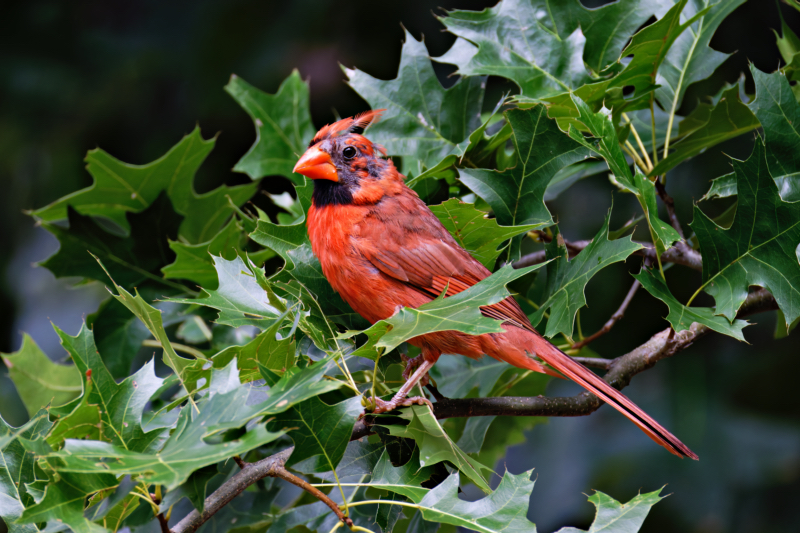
(594, 384)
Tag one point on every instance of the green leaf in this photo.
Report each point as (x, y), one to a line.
(120, 188)
(283, 126)
(131, 260)
(405, 480)
(64, 501)
(460, 312)
(504, 510)
(729, 118)
(296, 386)
(38, 380)
(239, 299)
(17, 470)
(690, 59)
(648, 47)
(194, 262)
(663, 234)
(681, 317)
(423, 120)
(120, 404)
(475, 231)
(603, 141)
(84, 421)
(512, 40)
(456, 376)
(779, 113)
(152, 319)
(186, 449)
(760, 246)
(320, 432)
(615, 517)
(607, 28)
(266, 349)
(119, 334)
(436, 446)
(566, 280)
(516, 195)
(722, 187)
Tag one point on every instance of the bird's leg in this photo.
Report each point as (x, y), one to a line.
(399, 399)
(411, 365)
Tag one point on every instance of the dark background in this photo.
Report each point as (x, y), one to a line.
(133, 77)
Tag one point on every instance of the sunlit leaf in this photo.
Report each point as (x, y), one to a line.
(184, 451)
(436, 446)
(38, 380)
(474, 231)
(17, 470)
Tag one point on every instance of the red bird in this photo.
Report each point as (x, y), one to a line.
(381, 249)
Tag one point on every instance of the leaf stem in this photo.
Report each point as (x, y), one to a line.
(631, 151)
(385, 502)
(653, 127)
(153, 343)
(639, 142)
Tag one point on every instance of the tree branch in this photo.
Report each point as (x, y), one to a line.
(611, 321)
(670, 204)
(680, 254)
(621, 370)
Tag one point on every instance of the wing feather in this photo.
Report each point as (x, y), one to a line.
(422, 254)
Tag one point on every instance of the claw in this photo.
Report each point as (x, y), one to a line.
(382, 406)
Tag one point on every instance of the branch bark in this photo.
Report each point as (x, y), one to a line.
(680, 254)
(621, 370)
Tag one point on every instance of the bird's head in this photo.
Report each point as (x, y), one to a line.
(347, 168)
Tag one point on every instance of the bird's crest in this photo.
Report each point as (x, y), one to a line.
(356, 124)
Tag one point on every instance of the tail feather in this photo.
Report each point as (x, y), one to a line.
(594, 384)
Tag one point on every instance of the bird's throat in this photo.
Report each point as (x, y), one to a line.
(328, 192)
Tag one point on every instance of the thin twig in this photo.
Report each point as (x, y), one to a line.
(681, 254)
(240, 462)
(162, 521)
(639, 142)
(282, 473)
(611, 321)
(670, 204)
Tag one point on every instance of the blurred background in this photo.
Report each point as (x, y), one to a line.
(133, 77)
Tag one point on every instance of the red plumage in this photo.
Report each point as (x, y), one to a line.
(381, 248)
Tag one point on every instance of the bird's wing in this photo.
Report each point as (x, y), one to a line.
(409, 244)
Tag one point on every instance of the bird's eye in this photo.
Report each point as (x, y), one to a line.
(349, 152)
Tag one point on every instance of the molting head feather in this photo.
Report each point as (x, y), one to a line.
(347, 168)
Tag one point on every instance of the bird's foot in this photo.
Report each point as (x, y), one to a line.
(411, 365)
(382, 406)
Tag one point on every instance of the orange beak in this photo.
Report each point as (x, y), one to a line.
(316, 165)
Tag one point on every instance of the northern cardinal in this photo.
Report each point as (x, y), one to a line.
(381, 248)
